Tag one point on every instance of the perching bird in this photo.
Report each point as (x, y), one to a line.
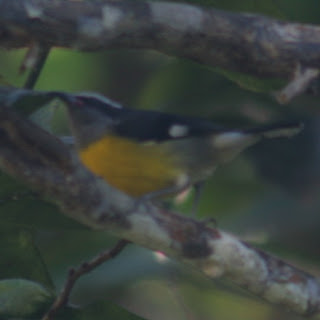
(151, 154)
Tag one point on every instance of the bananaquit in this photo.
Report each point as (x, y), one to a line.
(153, 153)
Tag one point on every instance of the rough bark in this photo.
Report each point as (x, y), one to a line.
(248, 43)
(44, 163)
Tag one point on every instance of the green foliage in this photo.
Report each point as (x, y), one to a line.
(20, 256)
(21, 298)
(99, 310)
(252, 83)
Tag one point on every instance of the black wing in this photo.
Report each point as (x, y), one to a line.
(157, 126)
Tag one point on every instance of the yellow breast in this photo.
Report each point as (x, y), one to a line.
(136, 169)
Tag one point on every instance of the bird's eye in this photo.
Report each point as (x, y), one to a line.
(79, 102)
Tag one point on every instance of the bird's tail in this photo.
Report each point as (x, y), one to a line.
(279, 130)
(231, 143)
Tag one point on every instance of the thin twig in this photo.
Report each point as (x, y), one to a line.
(75, 274)
(300, 82)
(34, 60)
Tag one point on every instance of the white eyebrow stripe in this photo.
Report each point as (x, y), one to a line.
(100, 97)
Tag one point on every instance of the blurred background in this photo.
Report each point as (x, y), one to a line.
(267, 196)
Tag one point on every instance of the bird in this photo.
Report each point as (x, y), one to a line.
(152, 154)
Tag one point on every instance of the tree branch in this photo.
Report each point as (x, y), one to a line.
(46, 164)
(248, 43)
(75, 274)
(300, 82)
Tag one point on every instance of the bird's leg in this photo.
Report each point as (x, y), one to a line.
(198, 190)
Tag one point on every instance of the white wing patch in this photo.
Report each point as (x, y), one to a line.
(178, 131)
(182, 180)
(228, 139)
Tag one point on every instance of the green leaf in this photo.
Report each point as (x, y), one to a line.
(20, 258)
(23, 298)
(100, 310)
